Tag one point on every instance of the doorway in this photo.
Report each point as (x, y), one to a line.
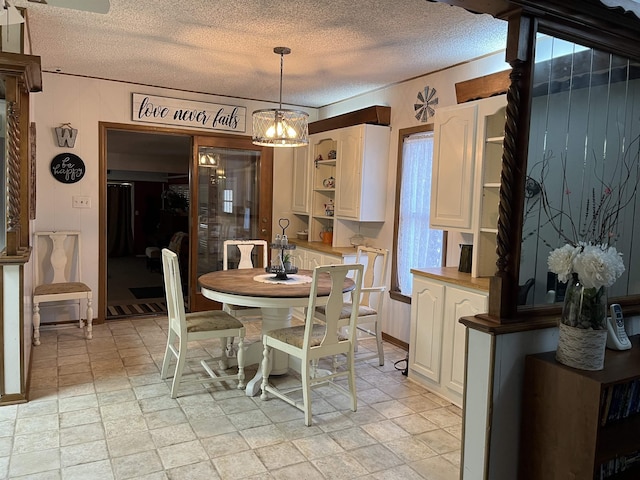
(147, 204)
(150, 179)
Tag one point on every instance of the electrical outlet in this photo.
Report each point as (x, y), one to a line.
(81, 202)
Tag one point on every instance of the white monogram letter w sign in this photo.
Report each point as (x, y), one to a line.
(66, 135)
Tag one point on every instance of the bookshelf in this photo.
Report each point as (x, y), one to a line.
(578, 423)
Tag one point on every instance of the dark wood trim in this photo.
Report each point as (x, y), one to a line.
(520, 55)
(399, 297)
(394, 341)
(482, 87)
(375, 115)
(25, 66)
(487, 324)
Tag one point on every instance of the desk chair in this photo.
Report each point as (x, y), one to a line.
(312, 341)
(57, 276)
(190, 327)
(372, 294)
(245, 249)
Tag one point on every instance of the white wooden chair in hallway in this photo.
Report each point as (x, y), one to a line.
(371, 297)
(57, 276)
(192, 327)
(314, 340)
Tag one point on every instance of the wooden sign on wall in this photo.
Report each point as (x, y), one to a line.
(187, 113)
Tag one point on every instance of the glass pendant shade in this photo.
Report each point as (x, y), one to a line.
(280, 128)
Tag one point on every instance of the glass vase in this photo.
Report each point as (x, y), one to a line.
(583, 332)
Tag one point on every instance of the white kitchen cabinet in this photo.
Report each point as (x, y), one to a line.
(301, 188)
(437, 344)
(453, 167)
(491, 122)
(348, 180)
(361, 182)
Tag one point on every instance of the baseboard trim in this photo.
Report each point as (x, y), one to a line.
(394, 341)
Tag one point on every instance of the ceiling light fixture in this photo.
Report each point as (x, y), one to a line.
(280, 127)
(10, 15)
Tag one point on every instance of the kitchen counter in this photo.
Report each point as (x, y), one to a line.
(452, 275)
(323, 248)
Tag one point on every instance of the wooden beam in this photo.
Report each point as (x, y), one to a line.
(375, 115)
(483, 87)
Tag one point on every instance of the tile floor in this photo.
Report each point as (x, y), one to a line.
(99, 410)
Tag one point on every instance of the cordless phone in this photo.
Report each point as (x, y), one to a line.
(617, 338)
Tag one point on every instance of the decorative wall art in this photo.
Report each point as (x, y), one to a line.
(425, 107)
(67, 168)
(66, 135)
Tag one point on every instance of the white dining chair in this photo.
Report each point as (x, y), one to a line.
(239, 253)
(314, 340)
(57, 276)
(195, 326)
(369, 306)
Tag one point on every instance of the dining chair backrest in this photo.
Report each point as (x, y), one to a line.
(58, 256)
(374, 275)
(334, 304)
(173, 292)
(245, 248)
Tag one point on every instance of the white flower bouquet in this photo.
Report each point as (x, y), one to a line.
(596, 265)
(589, 270)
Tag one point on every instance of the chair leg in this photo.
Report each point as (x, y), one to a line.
(265, 371)
(305, 373)
(177, 376)
(89, 320)
(352, 381)
(171, 337)
(223, 362)
(36, 323)
(241, 383)
(379, 344)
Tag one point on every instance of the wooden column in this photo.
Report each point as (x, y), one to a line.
(520, 53)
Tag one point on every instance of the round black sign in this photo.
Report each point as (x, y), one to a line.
(67, 168)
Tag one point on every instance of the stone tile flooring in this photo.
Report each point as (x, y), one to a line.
(98, 410)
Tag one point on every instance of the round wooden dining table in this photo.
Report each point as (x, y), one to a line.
(252, 287)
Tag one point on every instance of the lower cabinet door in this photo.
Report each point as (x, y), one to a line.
(459, 303)
(425, 345)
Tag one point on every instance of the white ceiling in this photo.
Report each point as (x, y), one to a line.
(340, 48)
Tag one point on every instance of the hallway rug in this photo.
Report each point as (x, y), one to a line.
(136, 309)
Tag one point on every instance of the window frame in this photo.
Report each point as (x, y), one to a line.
(394, 291)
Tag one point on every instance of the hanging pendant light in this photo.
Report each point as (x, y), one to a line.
(280, 127)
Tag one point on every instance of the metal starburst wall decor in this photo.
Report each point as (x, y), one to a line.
(425, 107)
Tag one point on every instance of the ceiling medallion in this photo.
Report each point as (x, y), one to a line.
(426, 106)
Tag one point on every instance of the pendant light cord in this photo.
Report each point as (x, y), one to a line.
(281, 67)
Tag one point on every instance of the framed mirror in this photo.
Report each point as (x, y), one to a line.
(583, 167)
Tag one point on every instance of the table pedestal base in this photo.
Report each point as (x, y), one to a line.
(272, 319)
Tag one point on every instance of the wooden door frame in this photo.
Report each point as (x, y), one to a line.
(266, 194)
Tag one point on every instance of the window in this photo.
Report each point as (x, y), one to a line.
(227, 202)
(416, 245)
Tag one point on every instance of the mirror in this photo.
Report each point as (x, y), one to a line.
(584, 163)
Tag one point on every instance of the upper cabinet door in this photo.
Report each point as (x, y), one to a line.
(361, 183)
(453, 168)
(301, 187)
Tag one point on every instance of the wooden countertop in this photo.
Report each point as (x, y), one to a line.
(452, 275)
(324, 248)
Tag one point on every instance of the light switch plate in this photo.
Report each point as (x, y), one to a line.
(81, 202)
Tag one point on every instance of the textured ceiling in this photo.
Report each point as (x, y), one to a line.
(340, 48)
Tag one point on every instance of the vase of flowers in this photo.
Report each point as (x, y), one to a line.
(588, 270)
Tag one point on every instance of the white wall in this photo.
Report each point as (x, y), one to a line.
(85, 102)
